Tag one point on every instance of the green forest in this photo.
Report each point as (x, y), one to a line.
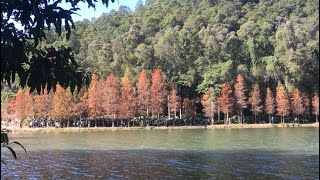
(203, 47)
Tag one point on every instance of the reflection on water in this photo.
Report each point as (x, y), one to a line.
(284, 153)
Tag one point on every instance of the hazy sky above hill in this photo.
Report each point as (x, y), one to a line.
(89, 13)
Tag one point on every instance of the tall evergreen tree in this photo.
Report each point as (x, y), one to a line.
(173, 102)
(94, 99)
(209, 103)
(269, 104)
(283, 104)
(296, 102)
(255, 102)
(315, 106)
(226, 101)
(143, 91)
(158, 93)
(128, 106)
(240, 97)
(112, 97)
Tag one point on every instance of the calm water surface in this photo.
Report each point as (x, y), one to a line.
(275, 153)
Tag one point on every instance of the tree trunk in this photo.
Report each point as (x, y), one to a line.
(95, 122)
(316, 118)
(169, 112)
(212, 119)
(228, 118)
(269, 118)
(255, 118)
(180, 114)
(112, 123)
(239, 117)
(68, 123)
(218, 114)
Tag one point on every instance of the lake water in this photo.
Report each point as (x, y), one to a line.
(274, 153)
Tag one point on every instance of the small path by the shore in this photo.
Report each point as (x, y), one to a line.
(220, 126)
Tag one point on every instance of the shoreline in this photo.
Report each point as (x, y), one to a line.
(220, 126)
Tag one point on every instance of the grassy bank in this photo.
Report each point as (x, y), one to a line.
(221, 126)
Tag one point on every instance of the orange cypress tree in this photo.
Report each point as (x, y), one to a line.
(39, 106)
(5, 110)
(240, 97)
(296, 102)
(29, 107)
(143, 91)
(80, 108)
(283, 106)
(112, 97)
(315, 106)
(20, 102)
(127, 97)
(94, 99)
(255, 101)
(173, 102)
(188, 108)
(61, 104)
(269, 104)
(209, 104)
(12, 108)
(226, 101)
(158, 93)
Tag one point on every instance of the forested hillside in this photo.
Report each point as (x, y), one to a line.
(202, 44)
(205, 43)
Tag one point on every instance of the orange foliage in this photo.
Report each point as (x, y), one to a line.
(315, 105)
(94, 98)
(240, 96)
(188, 108)
(173, 100)
(269, 103)
(226, 101)
(61, 103)
(5, 110)
(143, 91)
(296, 102)
(283, 106)
(112, 97)
(43, 105)
(255, 101)
(128, 107)
(29, 106)
(158, 93)
(209, 104)
(19, 107)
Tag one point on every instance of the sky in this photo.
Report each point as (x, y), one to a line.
(89, 13)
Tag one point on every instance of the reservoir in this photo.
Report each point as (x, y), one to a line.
(270, 153)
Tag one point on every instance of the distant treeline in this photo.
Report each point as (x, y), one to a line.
(202, 43)
(148, 100)
(201, 46)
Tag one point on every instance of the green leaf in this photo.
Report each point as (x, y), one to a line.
(15, 142)
(12, 151)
